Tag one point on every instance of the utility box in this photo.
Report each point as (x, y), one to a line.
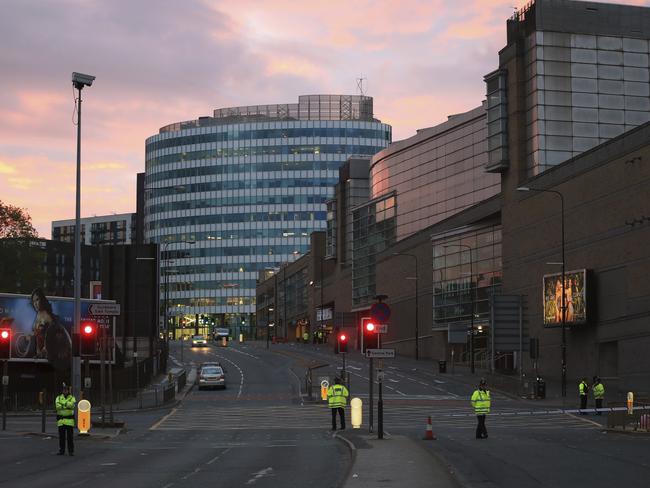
(442, 366)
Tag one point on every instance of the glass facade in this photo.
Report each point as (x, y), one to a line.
(373, 231)
(436, 173)
(104, 230)
(467, 269)
(234, 194)
(581, 90)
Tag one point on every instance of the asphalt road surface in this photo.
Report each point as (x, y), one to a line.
(256, 433)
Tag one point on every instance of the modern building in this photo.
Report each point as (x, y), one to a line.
(110, 230)
(573, 75)
(415, 183)
(239, 192)
(26, 264)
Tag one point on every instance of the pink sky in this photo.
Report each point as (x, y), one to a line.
(163, 61)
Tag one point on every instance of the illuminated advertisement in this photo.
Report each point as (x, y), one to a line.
(41, 327)
(575, 298)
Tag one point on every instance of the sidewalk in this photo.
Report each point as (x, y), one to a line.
(395, 461)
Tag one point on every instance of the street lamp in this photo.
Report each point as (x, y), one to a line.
(166, 311)
(417, 308)
(471, 322)
(269, 309)
(526, 188)
(79, 80)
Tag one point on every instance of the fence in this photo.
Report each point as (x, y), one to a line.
(638, 419)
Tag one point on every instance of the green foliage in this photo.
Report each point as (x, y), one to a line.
(15, 222)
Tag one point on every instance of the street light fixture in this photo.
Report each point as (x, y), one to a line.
(417, 308)
(79, 80)
(564, 366)
(166, 310)
(472, 296)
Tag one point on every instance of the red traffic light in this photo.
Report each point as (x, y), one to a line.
(343, 338)
(4, 334)
(88, 329)
(370, 327)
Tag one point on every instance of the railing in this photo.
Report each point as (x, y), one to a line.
(638, 420)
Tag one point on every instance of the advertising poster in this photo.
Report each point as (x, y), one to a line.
(575, 298)
(41, 327)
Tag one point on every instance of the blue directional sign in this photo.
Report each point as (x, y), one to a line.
(380, 312)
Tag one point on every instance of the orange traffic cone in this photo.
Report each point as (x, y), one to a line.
(428, 433)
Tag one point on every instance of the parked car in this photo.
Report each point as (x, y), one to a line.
(211, 376)
(199, 341)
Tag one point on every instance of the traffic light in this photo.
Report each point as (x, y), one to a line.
(369, 331)
(343, 342)
(5, 343)
(88, 339)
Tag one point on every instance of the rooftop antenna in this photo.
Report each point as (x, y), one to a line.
(360, 85)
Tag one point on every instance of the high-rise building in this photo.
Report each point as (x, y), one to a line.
(111, 229)
(241, 191)
(572, 75)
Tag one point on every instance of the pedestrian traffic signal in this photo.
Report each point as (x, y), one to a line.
(5, 343)
(88, 339)
(369, 331)
(370, 327)
(343, 342)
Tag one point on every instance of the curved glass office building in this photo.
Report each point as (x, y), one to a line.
(239, 192)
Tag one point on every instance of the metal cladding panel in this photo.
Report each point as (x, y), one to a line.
(506, 323)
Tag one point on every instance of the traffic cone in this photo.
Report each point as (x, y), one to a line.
(428, 433)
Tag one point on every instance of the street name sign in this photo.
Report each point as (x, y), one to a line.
(104, 309)
(380, 353)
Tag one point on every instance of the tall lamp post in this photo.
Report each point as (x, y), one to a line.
(269, 309)
(79, 80)
(472, 296)
(166, 295)
(417, 308)
(540, 190)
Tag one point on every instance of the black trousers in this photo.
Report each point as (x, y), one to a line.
(583, 403)
(341, 412)
(481, 431)
(66, 431)
(599, 404)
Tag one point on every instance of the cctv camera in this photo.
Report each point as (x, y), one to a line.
(80, 80)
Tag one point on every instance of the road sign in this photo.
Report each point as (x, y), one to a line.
(382, 329)
(380, 312)
(380, 353)
(104, 309)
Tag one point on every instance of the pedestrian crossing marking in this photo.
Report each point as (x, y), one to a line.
(317, 416)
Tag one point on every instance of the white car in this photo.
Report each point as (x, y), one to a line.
(199, 341)
(213, 376)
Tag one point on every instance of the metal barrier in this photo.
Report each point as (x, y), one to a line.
(181, 380)
(309, 379)
(637, 420)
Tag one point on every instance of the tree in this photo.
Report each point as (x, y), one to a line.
(21, 259)
(15, 222)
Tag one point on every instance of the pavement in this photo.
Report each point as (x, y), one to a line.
(395, 461)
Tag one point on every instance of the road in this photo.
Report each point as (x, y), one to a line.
(263, 431)
(527, 447)
(255, 433)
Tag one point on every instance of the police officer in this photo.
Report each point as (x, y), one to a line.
(599, 394)
(337, 399)
(65, 405)
(481, 404)
(583, 391)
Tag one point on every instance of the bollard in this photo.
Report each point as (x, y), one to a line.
(630, 403)
(83, 417)
(241, 338)
(42, 398)
(356, 412)
(324, 385)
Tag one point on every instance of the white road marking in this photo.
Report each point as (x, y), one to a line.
(241, 373)
(354, 367)
(108, 464)
(196, 470)
(259, 474)
(155, 426)
(242, 352)
(403, 394)
(423, 383)
(217, 457)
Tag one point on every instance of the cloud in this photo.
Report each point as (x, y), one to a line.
(164, 61)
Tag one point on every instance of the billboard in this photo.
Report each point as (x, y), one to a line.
(575, 298)
(42, 327)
